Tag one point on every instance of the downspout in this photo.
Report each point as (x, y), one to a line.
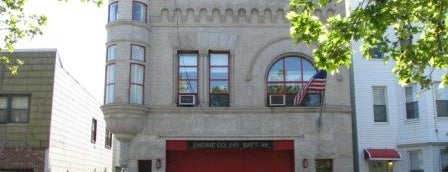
(348, 9)
(354, 124)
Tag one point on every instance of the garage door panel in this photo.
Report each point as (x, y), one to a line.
(234, 161)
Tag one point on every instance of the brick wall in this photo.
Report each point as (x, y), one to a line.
(22, 158)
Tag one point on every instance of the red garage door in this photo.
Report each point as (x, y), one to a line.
(277, 159)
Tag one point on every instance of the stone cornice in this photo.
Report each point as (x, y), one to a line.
(129, 23)
(244, 110)
(231, 137)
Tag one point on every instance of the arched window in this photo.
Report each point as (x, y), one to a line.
(286, 78)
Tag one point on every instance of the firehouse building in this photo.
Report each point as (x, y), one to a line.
(209, 86)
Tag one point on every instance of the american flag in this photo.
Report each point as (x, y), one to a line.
(315, 85)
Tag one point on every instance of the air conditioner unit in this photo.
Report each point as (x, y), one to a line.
(277, 100)
(187, 100)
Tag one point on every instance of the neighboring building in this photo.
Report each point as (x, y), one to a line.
(209, 85)
(48, 121)
(402, 128)
(398, 128)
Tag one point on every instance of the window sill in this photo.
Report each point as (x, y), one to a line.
(442, 118)
(381, 123)
(412, 121)
(128, 22)
(14, 123)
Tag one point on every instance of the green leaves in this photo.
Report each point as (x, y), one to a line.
(412, 33)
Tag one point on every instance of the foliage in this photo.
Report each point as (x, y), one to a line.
(413, 34)
(15, 25)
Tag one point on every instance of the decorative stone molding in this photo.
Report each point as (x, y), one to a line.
(204, 41)
(129, 23)
(125, 120)
(221, 16)
(245, 16)
(246, 110)
(231, 137)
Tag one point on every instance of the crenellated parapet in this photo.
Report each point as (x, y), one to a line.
(231, 16)
(221, 16)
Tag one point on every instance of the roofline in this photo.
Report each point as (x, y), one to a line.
(32, 50)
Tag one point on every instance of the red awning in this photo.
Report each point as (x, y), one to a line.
(381, 154)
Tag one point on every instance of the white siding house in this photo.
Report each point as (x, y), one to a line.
(71, 146)
(419, 139)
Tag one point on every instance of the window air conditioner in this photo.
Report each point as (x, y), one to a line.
(187, 100)
(277, 100)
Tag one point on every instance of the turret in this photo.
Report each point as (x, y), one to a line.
(128, 31)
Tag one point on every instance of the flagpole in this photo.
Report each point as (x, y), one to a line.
(322, 101)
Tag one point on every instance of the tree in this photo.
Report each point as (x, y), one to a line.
(411, 33)
(15, 25)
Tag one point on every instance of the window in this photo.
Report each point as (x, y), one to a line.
(441, 101)
(139, 11)
(137, 52)
(379, 104)
(219, 79)
(324, 165)
(93, 131)
(136, 89)
(14, 108)
(113, 11)
(108, 139)
(144, 165)
(188, 76)
(415, 161)
(110, 84)
(287, 76)
(411, 102)
(376, 52)
(444, 159)
(111, 52)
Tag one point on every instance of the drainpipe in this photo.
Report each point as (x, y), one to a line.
(354, 124)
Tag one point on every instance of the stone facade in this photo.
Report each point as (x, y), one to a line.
(256, 35)
(57, 133)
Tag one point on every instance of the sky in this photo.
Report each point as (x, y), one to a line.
(77, 31)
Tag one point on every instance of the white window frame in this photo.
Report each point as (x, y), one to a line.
(420, 158)
(436, 97)
(138, 81)
(413, 99)
(441, 159)
(384, 88)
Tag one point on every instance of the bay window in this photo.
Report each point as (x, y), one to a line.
(110, 84)
(113, 11)
(111, 52)
(137, 52)
(136, 89)
(139, 11)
